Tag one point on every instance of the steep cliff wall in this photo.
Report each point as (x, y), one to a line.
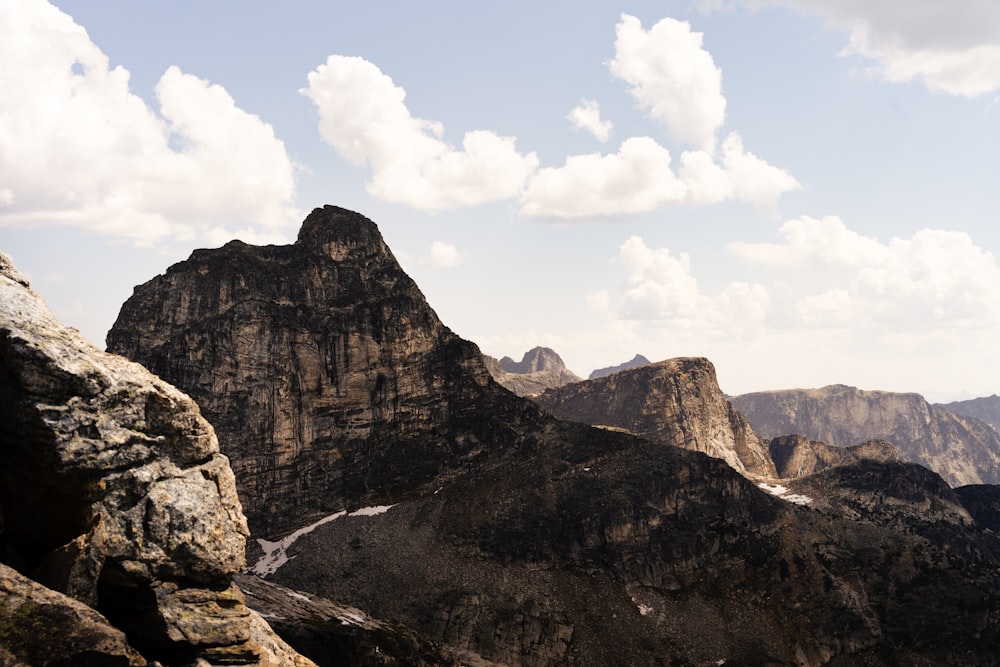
(962, 450)
(328, 378)
(677, 402)
(113, 492)
(797, 456)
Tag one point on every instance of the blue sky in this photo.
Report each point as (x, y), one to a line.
(801, 190)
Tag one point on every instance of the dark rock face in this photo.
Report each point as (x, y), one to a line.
(677, 402)
(511, 535)
(795, 456)
(323, 398)
(333, 634)
(960, 449)
(113, 492)
(636, 362)
(540, 369)
(985, 409)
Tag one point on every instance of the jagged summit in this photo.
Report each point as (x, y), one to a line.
(333, 224)
(534, 360)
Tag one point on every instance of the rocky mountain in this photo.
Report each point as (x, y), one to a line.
(796, 456)
(961, 449)
(636, 361)
(539, 369)
(985, 409)
(675, 402)
(121, 530)
(397, 481)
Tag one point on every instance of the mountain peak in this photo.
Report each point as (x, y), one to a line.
(534, 360)
(636, 362)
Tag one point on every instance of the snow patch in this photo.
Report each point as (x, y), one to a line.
(276, 553)
(352, 619)
(783, 493)
(645, 610)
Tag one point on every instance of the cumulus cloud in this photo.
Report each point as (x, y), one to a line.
(676, 81)
(934, 280)
(444, 255)
(639, 178)
(77, 147)
(587, 116)
(672, 77)
(661, 286)
(953, 47)
(363, 115)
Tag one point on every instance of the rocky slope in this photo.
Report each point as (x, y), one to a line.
(676, 402)
(961, 449)
(985, 409)
(501, 531)
(796, 456)
(113, 495)
(539, 369)
(636, 362)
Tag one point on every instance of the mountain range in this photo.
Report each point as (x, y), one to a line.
(404, 508)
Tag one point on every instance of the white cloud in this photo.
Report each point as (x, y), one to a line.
(77, 147)
(953, 47)
(673, 77)
(639, 178)
(661, 286)
(362, 114)
(587, 116)
(444, 255)
(934, 280)
(599, 301)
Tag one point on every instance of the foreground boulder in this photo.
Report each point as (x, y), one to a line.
(114, 493)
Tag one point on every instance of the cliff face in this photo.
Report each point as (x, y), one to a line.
(960, 449)
(113, 492)
(503, 533)
(539, 369)
(985, 409)
(677, 402)
(796, 456)
(321, 399)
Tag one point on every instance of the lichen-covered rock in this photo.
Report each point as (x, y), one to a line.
(963, 450)
(677, 402)
(113, 490)
(39, 626)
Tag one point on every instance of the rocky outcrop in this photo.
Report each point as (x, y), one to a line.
(636, 362)
(335, 634)
(961, 449)
(330, 381)
(113, 491)
(797, 456)
(985, 409)
(540, 369)
(500, 531)
(676, 402)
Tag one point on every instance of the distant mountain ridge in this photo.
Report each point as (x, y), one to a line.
(635, 362)
(963, 450)
(539, 369)
(985, 409)
(676, 402)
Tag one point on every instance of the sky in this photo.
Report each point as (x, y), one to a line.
(803, 191)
